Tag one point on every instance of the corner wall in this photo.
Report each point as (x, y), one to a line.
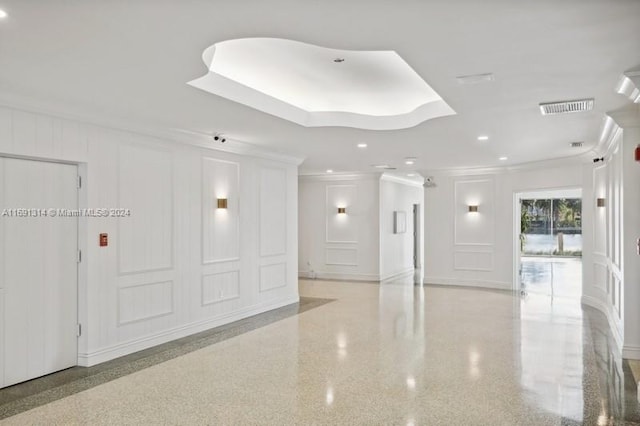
(339, 246)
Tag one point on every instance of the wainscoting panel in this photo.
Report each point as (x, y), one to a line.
(273, 276)
(273, 211)
(341, 256)
(144, 302)
(472, 260)
(220, 236)
(145, 186)
(342, 227)
(474, 228)
(220, 287)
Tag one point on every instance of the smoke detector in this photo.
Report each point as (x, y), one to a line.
(566, 107)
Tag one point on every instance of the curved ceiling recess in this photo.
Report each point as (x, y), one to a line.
(316, 86)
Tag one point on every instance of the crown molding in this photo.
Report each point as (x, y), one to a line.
(629, 85)
(417, 182)
(332, 177)
(533, 165)
(200, 140)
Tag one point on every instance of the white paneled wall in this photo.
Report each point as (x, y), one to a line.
(177, 265)
(339, 246)
(477, 249)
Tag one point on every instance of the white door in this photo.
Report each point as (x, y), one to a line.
(38, 269)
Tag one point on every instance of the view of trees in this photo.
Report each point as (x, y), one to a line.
(546, 224)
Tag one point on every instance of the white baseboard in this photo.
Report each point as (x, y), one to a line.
(499, 285)
(131, 346)
(396, 275)
(339, 276)
(631, 352)
(608, 312)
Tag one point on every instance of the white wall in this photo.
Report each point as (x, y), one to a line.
(396, 250)
(178, 265)
(477, 249)
(339, 246)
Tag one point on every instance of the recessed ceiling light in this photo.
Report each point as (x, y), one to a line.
(381, 166)
(503, 158)
(362, 145)
(329, 171)
(3, 14)
(409, 162)
(483, 138)
(411, 174)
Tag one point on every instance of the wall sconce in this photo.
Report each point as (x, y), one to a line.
(600, 202)
(342, 210)
(473, 208)
(222, 203)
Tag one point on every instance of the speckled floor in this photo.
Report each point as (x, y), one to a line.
(388, 354)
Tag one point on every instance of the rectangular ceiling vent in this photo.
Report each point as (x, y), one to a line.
(576, 144)
(566, 107)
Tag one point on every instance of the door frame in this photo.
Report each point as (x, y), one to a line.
(517, 198)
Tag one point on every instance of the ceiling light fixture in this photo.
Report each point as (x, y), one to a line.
(503, 158)
(362, 145)
(329, 171)
(409, 162)
(483, 138)
(411, 174)
(3, 14)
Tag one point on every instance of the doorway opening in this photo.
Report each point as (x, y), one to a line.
(549, 243)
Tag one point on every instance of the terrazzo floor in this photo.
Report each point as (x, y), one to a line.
(390, 354)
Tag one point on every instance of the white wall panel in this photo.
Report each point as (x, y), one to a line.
(147, 286)
(600, 275)
(220, 236)
(342, 228)
(273, 276)
(473, 260)
(273, 211)
(220, 287)
(6, 130)
(474, 228)
(341, 256)
(145, 186)
(144, 301)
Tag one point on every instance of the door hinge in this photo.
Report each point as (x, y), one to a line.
(79, 256)
(79, 331)
(79, 181)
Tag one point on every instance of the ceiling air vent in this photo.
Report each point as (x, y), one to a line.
(576, 144)
(566, 107)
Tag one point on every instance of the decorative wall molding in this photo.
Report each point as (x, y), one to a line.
(272, 211)
(460, 214)
(350, 196)
(462, 256)
(220, 290)
(273, 276)
(142, 292)
(107, 353)
(144, 213)
(331, 260)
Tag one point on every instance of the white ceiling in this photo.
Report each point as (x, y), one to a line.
(131, 60)
(303, 83)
